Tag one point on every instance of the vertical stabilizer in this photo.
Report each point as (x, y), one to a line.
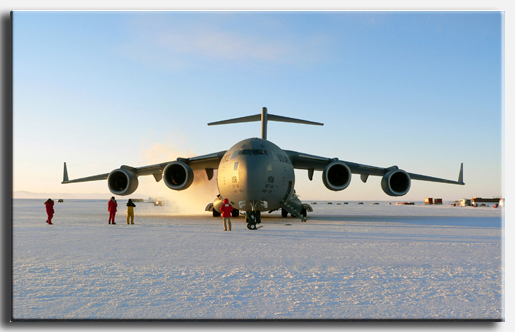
(264, 122)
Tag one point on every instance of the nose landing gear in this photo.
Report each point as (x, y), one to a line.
(252, 218)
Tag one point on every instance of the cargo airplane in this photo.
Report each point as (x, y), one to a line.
(257, 176)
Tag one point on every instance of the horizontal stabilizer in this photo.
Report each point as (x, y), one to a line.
(264, 117)
(279, 118)
(250, 118)
(270, 117)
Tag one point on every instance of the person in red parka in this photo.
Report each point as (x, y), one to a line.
(49, 205)
(226, 210)
(111, 208)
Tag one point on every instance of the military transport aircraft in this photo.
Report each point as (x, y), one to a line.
(256, 175)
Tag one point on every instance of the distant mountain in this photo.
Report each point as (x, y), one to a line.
(28, 194)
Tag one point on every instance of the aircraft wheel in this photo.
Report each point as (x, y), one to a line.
(216, 213)
(250, 217)
(284, 213)
(235, 213)
(252, 227)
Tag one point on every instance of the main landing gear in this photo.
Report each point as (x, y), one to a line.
(252, 218)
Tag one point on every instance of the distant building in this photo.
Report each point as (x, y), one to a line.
(429, 201)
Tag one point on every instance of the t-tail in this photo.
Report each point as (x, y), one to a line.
(264, 117)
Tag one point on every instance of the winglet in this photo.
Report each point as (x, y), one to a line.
(460, 177)
(65, 174)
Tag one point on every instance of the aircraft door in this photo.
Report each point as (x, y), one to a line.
(288, 191)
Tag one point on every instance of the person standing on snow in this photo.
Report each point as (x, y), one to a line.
(49, 205)
(111, 208)
(130, 211)
(226, 210)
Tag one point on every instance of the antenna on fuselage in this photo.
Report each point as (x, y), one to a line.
(264, 117)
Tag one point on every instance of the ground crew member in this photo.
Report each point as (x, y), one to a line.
(130, 211)
(49, 205)
(226, 210)
(111, 208)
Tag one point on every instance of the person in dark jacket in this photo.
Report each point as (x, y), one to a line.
(226, 210)
(111, 208)
(49, 205)
(130, 211)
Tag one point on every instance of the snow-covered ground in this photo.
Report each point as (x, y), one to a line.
(347, 262)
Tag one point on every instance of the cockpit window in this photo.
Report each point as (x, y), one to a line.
(254, 152)
(249, 152)
(235, 154)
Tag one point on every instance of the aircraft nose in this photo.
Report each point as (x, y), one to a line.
(253, 177)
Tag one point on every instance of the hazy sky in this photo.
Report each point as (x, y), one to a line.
(420, 90)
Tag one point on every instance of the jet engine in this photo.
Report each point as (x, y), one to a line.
(336, 176)
(122, 182)
(396, 183)
(177, 175)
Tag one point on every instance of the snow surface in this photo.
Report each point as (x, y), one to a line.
(346, 262)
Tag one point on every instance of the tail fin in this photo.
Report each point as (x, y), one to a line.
(264, 117)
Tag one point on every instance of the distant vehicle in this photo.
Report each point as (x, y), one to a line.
(159, 201)
(256, 175)
(465, 202)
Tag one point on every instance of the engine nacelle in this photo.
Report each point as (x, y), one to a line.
(122, 182)
(336, 176)
(177, 175)
(396, 183)
(217, 204)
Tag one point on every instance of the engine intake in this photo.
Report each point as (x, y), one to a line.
(336, 176)
(177, 175)
(396, 183)
(122, 182)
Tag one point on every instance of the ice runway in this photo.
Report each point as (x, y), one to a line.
(346, 262)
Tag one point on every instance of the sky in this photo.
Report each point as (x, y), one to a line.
(100, 89)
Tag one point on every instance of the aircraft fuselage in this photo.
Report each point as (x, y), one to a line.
(255, 175)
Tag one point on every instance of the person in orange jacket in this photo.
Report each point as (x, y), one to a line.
(111, 208)
(49, 205)
(226, 210)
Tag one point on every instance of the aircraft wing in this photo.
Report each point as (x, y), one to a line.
(315, 163)
(207, 162)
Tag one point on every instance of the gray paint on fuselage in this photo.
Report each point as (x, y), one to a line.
(254, 174)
